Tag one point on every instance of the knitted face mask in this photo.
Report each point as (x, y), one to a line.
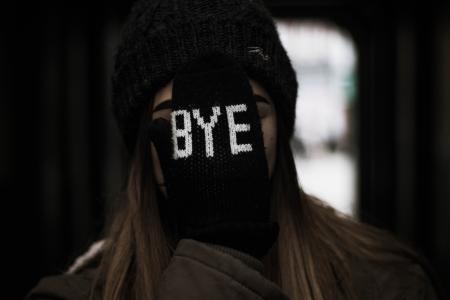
(212, 151)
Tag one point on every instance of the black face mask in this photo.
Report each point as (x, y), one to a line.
(212, 154)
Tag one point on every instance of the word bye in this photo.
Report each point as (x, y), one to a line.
(186, 131)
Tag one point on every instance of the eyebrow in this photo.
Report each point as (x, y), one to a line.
(163, 105)
(260, 98)
(168, 103)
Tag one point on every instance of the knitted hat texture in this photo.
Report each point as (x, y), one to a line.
(159, 37)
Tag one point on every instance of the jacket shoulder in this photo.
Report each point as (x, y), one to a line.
(75, 282)
(63, 286)
(404, 279)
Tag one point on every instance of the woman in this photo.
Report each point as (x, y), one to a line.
(205, 96)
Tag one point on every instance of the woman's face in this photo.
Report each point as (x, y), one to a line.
(267, 116)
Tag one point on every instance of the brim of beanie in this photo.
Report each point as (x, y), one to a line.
(157, 56)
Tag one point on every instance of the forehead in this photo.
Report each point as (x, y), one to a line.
(165, 92)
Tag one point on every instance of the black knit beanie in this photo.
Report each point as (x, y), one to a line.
(160, 36)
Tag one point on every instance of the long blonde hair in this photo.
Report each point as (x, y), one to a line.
(308, 261)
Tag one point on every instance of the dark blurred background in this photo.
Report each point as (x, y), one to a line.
(62, 161)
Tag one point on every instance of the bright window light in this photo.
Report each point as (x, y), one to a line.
(324, 144)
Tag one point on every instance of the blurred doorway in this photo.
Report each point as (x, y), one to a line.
(324, 141)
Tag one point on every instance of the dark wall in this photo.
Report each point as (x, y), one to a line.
(62, 161)
(61, 157)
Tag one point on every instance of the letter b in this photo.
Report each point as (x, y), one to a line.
(185, 133)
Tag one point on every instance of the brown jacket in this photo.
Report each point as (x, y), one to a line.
(204, 271)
